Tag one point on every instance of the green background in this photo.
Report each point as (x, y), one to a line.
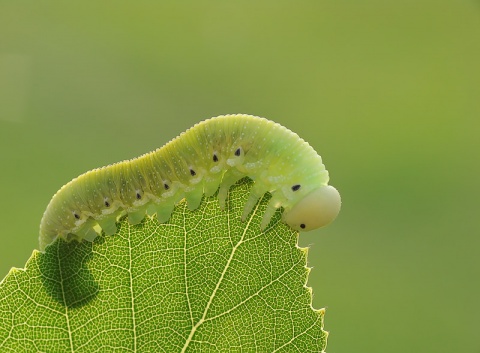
(387, 92)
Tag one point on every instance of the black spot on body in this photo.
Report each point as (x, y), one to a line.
(166, 186)
(138, 196)
(238, 152)
(302, 226)
(192, 172)
(215, 158)
(296, 187)
(76, 215)
(107, 204)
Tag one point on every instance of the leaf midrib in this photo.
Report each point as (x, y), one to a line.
(220, 280)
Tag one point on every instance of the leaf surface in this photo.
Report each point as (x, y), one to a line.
(203, 282)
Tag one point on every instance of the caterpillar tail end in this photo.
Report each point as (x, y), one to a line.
(45, 240)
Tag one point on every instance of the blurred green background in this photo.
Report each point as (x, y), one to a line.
(388, 92)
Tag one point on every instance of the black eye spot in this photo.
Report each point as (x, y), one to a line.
(139, 196)
(296, 187)
(302, 226)
(192, 172)
(76, 215)
(238, 152)
(166, 186)
(107, 204)
(215, 158)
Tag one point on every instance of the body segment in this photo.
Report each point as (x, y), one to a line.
(214, 153)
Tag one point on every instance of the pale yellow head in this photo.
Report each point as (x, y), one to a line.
(317, 209)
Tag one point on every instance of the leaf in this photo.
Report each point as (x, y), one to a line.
(203, 282)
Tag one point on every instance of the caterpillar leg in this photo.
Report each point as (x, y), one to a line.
(229, 178)
(45, 240)
(270, 211)
(136, 216)
(86, 231)
(210, 185)
(194, 197)
(255, 194)
(108, 225)
(164, 210)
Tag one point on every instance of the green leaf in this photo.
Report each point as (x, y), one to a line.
(203, 282)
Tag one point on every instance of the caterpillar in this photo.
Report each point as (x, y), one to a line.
(209, 157)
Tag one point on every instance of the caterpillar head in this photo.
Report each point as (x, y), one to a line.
(317, 209)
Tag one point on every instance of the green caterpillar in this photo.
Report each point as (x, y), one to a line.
(214, 153)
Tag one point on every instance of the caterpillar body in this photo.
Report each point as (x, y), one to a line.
(213, 155)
